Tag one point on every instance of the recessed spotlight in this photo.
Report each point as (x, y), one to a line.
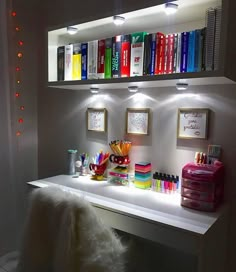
(170, 8)
(94, 90)
(180, 86)
(118, 20)
(133, 89)
(72, 30)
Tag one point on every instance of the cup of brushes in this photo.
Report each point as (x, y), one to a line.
(99, 165)
(120, 151)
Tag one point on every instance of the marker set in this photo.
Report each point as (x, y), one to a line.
(165, 183)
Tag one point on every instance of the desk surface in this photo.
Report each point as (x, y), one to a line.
(147, 205)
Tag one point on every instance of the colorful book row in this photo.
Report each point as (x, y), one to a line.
(133, 55)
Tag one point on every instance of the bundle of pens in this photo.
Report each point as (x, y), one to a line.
(99, 165)
(100, 158)
(120, 148)
(84, 158)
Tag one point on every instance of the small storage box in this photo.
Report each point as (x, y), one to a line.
(202, 186)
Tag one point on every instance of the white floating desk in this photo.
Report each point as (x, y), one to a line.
(153, 216)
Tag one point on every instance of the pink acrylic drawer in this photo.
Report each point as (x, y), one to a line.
(198, 195)
(198, 185)
(198, 205)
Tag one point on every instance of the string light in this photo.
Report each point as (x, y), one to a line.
(17, 94)
(13, 14)
(20, 43)
(17, 69)
(19, 55)
(17, 28)
(18, 133)
(18, 81)
(20, 120)
(22, 108)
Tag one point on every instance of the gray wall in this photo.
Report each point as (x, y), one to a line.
(61, 113)
(18, 155)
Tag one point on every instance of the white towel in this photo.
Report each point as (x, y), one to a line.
(64, 234)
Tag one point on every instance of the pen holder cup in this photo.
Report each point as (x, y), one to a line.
(119, 159)
(98, 169)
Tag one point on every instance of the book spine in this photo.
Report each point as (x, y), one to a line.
(125, 55)
(175, 52)
(60, 62)
(191, 51)
(146, 55)
(170, 54)
(184, 52)
(92, 59)
(166, 54)
(210, 37)
(153, 54)
(108, 45)
(203, 49)
(197, 50)
(218, 11)
(179, 53)
(68, 62)
(137, 51)
(101, 59)
(84, 65)
(160, 53)
(76, 62)
(116, 48)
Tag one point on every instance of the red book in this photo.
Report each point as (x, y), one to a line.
(170, 54)
(101, 58)
(125, 55)
(160, 53)
(166, 54)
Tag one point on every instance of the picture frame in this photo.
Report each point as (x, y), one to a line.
(192, 123)
(137, 121)
(97, 119)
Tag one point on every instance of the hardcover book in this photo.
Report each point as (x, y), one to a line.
(101, 59)
(68, 61)
(179, 46)
(218, 11)
(149, 54)
(125, 55)
(60, 62)
(160, 53)
(108, 53)
(137, 51)
(92, 59)
(116, 53)
(84, 62)
(191, 51)
(175, 52)
(76, 62)
(184, 52)
(198, 51)
(170, 54)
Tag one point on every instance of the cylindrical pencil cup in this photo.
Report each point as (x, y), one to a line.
(72, 156)
(83, 170)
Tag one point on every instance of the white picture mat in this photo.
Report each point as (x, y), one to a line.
(137, 122)
(96, 120)
(192, 124)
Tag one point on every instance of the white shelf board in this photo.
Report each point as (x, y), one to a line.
(201, 78)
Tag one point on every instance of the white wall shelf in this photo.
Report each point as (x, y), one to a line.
(191, 15)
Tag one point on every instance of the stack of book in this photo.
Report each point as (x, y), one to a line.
(140, 53)
(143, 175)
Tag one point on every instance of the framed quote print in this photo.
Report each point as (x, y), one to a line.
(97, 119)
(192, 123)
(137, 121)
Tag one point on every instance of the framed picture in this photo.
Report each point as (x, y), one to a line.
(97, 119)
(137, 121)
(192, 123)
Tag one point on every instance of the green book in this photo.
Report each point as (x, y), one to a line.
(108, 53)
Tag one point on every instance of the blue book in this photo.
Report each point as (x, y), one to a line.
(197, 55)
(184, 52)
(153, 54)
(84, 60)
(191, 51)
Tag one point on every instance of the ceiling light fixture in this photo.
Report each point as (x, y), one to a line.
(94, 90)
(180, 86)
(133, 89)
(170, 8)
(72, 30)
(118, 20)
